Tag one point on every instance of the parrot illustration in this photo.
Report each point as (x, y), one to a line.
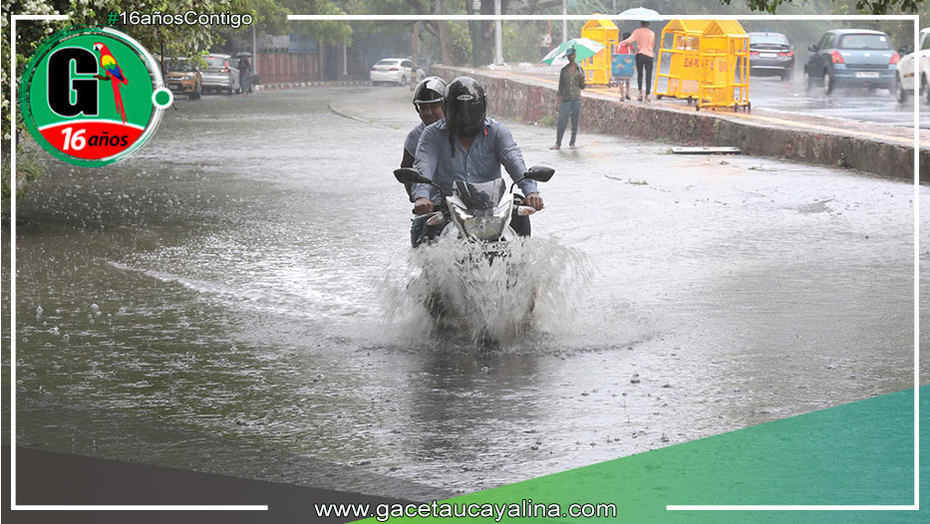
(114, 75)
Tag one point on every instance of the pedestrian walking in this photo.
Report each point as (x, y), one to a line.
(627, 73)
(571, 82)
(545, 43)
(645, 40)
(245, 76)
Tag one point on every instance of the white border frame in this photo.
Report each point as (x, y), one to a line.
(916, 203)
(14, 84)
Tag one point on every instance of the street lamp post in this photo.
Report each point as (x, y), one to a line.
(476, 34)
(499, 54)
(564, 20)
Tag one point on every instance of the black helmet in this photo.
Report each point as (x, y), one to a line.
(465, 106)
(428, 91)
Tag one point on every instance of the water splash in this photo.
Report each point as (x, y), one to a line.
(454, 289)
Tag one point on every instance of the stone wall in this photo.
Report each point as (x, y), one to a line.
(524, 100)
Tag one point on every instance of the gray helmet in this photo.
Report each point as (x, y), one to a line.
(430, 90)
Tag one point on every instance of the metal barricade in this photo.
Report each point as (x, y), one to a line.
(725, 66)
(598, 67)
(705, 62)
(680, 54)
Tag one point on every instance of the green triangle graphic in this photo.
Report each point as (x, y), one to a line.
(858, 454)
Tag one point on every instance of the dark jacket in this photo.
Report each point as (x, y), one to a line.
(571, 82)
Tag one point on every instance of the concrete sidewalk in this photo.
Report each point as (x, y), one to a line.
(888, 151)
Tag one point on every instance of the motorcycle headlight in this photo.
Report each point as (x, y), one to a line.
(459, 214)
(487, 224)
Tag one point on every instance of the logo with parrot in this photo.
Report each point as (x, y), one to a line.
(92, 96)
(114, 75)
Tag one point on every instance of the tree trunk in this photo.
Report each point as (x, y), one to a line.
(322, 49)
(415, 55)
(443, 44)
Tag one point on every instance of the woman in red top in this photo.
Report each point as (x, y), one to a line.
(645, 40)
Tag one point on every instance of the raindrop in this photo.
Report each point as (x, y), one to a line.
(66, 337)
(94, 307)
(38, 312)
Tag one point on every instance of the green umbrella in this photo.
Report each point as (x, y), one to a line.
(584, 48)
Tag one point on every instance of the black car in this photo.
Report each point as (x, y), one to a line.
(771, 54)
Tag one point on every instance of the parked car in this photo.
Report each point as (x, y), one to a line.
(904, 81)
(184, 78)
(392, 70)
(852, 57)
(771, 54)
(221, 74)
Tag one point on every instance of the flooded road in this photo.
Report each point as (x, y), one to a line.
(851, 104)
(232, 299)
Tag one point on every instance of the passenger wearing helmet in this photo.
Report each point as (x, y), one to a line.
(427, 100)
(466, 145)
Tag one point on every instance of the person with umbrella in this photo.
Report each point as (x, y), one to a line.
(245, 73)
(645, 40)
(571, 82)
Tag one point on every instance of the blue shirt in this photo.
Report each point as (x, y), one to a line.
(413, 138)
(482, 162)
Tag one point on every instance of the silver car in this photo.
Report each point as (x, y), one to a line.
(221, 74)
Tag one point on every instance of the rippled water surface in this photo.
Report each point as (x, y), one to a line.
(240, 297)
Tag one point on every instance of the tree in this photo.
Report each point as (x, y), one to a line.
(874, 7)
(179, 40)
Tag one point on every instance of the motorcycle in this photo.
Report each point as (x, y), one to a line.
(480, 212)
(470, 275)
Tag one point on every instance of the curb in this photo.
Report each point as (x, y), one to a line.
(299, 85)
(343, 114)
(526, 101)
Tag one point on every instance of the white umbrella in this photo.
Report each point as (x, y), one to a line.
(642, 14)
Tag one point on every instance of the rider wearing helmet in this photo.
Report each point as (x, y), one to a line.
(427, 100)
(466, 145)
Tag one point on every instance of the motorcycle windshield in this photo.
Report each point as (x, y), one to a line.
(480, 195)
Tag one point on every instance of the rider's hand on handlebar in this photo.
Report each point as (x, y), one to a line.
(534, 200)
(423, 205)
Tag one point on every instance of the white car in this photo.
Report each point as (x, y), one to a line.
(392, 70)
(904, 87)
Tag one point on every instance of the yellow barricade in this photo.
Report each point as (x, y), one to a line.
(704, 61)
(725, 64)
(598, 67)
(679, 60)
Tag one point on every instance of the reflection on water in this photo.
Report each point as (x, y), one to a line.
(240, 297)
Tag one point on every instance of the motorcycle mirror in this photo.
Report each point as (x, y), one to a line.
(540, 173)
(406, 175)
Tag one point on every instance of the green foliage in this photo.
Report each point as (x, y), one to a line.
(521, 41)
(329, 31)
(459, 41)
(873, 7)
